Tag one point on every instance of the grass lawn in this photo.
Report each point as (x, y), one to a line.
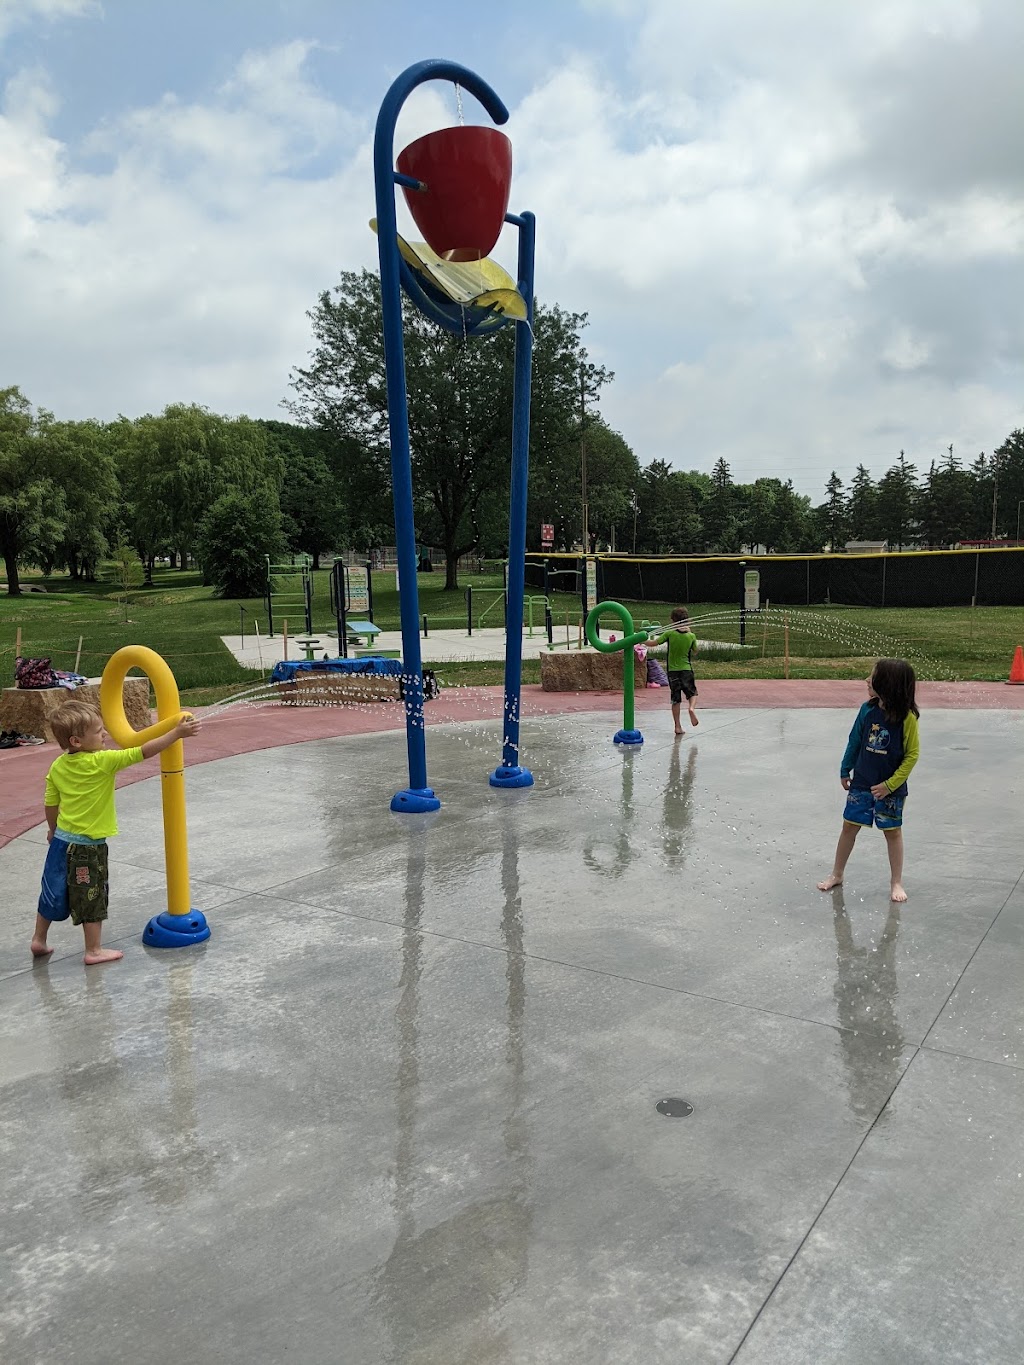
(183, 621)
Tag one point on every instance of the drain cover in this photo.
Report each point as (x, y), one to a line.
(674, 1108)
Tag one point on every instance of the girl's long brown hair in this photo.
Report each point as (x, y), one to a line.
(893, 682)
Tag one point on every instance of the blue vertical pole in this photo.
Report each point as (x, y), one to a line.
(418, 796)
(510, 773)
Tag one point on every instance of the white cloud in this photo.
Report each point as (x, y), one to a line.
(14, 13)
(782, 259)
(183, 268)
(906, 350)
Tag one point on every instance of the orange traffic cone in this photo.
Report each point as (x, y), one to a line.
(1017, 667)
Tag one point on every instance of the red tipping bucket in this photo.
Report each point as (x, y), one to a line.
(468, 174)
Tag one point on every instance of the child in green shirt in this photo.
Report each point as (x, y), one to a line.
(682, 645)
(80, 815)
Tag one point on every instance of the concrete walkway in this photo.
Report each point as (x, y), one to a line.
(403, 1105)
(449, 646)
(437, 647)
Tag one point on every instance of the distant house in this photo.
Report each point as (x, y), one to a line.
(867, 547)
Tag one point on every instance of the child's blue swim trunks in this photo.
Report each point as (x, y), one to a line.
(884, 812)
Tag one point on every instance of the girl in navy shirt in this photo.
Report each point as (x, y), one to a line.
(882, 749)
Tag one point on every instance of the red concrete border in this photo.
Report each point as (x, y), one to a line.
(244, 729)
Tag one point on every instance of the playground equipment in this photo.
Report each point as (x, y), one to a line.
(456, 182)
(544, 607)
(351, 597)
(180, 925)
(628, 734)
(291, 587)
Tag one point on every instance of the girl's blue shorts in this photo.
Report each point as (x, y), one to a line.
(884, 812)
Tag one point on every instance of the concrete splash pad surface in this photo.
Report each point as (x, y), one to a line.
(401, 1106)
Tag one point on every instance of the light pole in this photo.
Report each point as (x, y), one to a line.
(1019, 506)
(583, 458)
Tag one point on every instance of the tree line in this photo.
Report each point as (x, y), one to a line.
(948, 504)
(192, 486)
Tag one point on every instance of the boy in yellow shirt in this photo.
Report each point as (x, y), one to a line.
(80, 814)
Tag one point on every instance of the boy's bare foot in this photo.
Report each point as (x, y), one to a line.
(830, 883)
(680, 732)
(693, 717)
(898, 894)
(40, 949)
(102, 955)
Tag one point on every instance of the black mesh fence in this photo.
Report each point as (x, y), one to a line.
(929, 578)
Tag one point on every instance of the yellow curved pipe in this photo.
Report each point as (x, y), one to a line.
(172, 760)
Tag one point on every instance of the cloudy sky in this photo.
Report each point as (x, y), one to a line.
(798, 228)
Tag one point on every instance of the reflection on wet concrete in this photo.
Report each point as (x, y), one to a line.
(116, 1121)
(445, 1282)
(611, 855)
(677, 807)
(865, 993)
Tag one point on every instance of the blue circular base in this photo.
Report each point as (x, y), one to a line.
(628, 737)
(511, 777)
(176, 931)
(415, 800)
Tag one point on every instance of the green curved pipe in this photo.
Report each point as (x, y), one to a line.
(630, 638)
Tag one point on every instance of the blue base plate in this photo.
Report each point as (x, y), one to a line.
(176, 931)
(628, 737)
(414, 800)
(511, 777)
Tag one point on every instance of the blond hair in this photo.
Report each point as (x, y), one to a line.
(71, 721)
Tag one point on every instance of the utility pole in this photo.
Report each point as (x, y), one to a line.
(583, 457)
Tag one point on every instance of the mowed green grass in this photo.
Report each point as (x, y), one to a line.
(183, 621)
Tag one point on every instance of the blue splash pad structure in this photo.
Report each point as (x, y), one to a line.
(176, 931)
(288, 669)
(430, 1050)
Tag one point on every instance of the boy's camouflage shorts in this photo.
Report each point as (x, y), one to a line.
(87, 883)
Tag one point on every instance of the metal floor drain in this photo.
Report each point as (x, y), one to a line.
(674, 1108)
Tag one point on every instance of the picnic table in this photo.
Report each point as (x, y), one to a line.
(361, 632)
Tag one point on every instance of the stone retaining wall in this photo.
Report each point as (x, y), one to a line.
(587, 670)
(27, 710)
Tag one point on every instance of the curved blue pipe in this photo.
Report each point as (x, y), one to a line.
(419, 796)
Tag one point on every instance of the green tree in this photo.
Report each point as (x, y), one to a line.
(760, 522)
(175, 465)
(313, 502)
(32, 503)
(612, 474)
(943, 504)
(236, 535)
(668, 509)
(82, 453)
(460, 412)
(796, 528)
(979, 511)
(897, 492)
(127, 569)
(1009, 458)
(722, 527)
(832, 514)
(862, 506)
